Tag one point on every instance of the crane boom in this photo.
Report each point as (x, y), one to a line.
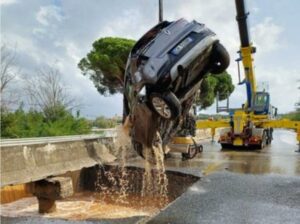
(246, 51)
(241, 18)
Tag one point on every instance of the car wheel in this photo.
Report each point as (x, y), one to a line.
(165, 104)
(219, 59)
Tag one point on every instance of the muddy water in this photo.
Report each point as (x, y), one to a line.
(155, 182)
(105, 204)
(79, 207)
(117, 192)
(122, 145)
(162, 180)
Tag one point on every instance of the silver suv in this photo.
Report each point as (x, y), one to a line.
(163, 75)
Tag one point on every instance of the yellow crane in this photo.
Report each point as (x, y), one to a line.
(251, 125)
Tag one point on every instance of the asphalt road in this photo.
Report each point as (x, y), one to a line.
(241, 186)
(226, 197)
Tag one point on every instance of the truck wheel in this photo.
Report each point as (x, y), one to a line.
(219, 59)
(268, 141)
(263, 141)
(270, 136)
(165, 104)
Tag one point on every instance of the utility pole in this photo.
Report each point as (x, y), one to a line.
(160, 10)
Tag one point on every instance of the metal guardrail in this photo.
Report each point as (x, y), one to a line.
(107, 133)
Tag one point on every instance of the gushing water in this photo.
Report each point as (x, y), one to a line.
(147, 179)
(162, 180)
(154, 182)
(118, 181)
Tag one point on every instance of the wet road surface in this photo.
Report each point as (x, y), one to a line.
(278, 158)
(268, 193)
(225, 197)
(237, 186)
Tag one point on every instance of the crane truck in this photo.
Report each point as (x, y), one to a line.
(252, 124)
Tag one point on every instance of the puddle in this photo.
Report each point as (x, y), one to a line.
(79, 207)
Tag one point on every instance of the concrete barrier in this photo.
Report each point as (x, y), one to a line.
(28, 163)
(29, 160)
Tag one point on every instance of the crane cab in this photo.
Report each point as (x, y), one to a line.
(261, 103)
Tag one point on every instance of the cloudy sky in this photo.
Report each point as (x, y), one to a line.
(60, 32)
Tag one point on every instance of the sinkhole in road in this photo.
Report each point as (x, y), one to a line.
(110, 192)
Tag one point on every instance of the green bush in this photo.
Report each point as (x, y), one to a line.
(103, 122)
(294, 116)
(21, 124)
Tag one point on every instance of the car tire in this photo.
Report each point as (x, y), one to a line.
(166, 104)
(220, 59)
